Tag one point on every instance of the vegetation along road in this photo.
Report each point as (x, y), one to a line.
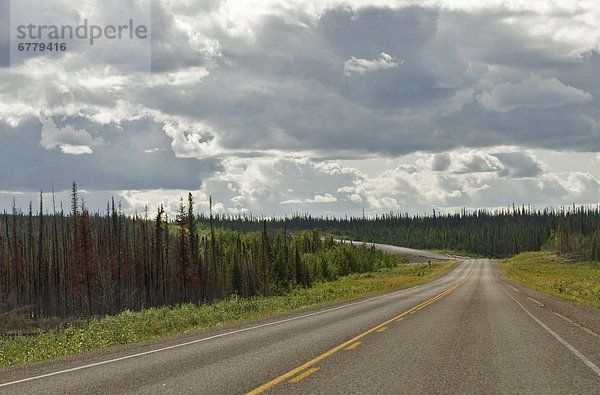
(469, 330)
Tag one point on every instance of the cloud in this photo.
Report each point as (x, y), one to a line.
(532, 92)
(150, 199)
(184, 79)
(472, 179)
(581, 184)
(262, 91)
(259, 104)
(68, 139)
(440, 162)
(118, 163)
(280, 186)
(520, 164)
(126, 54)
(475, 162)
(292, 201)
(363, 66)
(178, 37)
(192, 141)
(327, 198)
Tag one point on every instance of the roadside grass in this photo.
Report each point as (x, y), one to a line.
(546, 272)
(129, 327)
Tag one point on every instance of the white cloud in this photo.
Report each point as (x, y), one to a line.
(192, 141)
(137, 201)
(68, 139)
(581, 185)
(356, 198)
(472, 179)
(474, 162)
(346, 189)
(363, 66)
(279, 186)
(292, 201)
(275, 185)
(327, 198)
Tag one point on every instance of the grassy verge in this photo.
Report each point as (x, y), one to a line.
(544, 271)
(129, 327)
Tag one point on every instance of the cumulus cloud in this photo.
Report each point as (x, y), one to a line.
(471, 178)
(475, 162)
(192, 141)
(363, 66)
(138, 201)
(582, 184)
(280, 186)
(259, 185)
(68, 139)
(440, 162)
(505, 163)
(327, 198)
(520, 164)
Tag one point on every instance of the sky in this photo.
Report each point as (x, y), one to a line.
(330, 107)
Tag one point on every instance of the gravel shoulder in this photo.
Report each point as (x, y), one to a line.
(584, 316)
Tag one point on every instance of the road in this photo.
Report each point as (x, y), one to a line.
(470, 330)
(411, 253)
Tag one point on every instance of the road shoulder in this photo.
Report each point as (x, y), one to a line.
(581, 316)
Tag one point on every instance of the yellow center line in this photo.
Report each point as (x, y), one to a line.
(381, 329)
(326, 354)
(303, 375)
(399, 319)
(352, 347)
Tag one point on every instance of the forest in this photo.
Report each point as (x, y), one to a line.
(80, 264)
(571, 231)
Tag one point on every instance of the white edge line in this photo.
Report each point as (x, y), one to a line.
(583, 328)
(536, 301)
(576, 352)
(211, 337)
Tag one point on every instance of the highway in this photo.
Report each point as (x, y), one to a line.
(469, 330)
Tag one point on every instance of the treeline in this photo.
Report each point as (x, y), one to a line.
(500, 233)
(78, 264)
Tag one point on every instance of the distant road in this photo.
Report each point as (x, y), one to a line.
(470, 330)
(410, 252)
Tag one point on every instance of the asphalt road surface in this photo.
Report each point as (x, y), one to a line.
(470, 330)
(412, 254)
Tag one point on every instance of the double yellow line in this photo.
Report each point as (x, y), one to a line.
(313, 361)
